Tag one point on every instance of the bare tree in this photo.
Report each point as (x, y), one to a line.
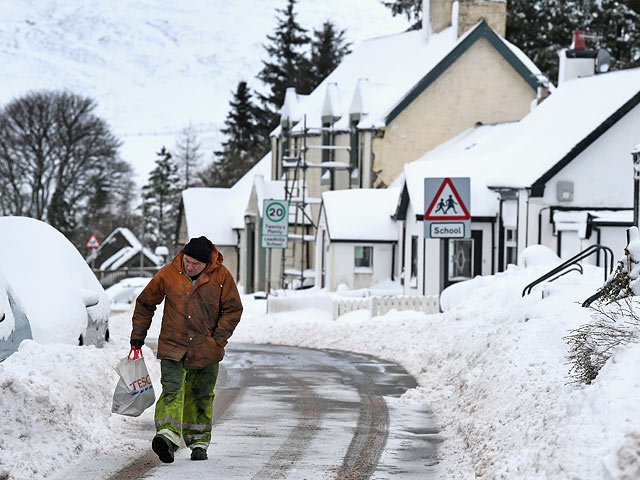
(188, 156)
(57, 159)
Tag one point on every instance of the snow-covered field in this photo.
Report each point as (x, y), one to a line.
(156, 67)
(492, 368)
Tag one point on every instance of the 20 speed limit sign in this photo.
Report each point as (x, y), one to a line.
(275, 223)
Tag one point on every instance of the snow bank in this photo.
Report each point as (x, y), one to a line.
(493, 369)
(56, 406)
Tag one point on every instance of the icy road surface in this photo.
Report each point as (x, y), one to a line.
(292, 413)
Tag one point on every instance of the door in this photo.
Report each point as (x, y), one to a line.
(462, 258)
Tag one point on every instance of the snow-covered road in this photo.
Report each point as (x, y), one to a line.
(285, 412)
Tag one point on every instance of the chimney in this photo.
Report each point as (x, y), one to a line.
(439, 14)
(360, 100)
(289, 114)
(576, 61)
(332, 105)
(494, 12)
(426, 20)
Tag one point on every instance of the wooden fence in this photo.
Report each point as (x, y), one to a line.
(382, 305)
(340, 305)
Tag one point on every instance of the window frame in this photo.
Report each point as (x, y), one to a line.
(363, 268)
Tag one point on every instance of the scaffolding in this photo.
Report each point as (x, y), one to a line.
(295, 263)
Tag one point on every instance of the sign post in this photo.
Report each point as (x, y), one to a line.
(93, 244)
(447, 202)
(275, 224)
(275, 229)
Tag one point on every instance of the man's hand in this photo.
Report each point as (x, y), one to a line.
(136, 343)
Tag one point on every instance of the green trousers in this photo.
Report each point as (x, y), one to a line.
(185, 407)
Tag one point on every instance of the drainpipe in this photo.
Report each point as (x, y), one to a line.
(393, 260)
(540, 224)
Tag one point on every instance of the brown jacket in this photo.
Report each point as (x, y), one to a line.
(198, 319)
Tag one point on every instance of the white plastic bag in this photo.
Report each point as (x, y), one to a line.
(134, 391)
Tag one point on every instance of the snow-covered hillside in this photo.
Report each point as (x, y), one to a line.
(154, 66)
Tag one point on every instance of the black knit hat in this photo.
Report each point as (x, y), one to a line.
(199, 248)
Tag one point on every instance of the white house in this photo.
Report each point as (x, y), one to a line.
(562, 176)
(395, 97)
(219, 214)
(357, 238)
(122, 249)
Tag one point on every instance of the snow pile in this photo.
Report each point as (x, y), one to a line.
(493, 369)
(56, 404)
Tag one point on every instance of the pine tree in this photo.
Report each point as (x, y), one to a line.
(542, 27)
(412, 9)
(328, 46)
(287, 65)
(160, 202)
(243, 146)
(188, 156)
(618, 27)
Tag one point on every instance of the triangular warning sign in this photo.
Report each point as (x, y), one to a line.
(93, 242)
(447, 204)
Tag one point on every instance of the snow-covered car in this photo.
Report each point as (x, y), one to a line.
(14, 326)
(61, 296)
(126, 290)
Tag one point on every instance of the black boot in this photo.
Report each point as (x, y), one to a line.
(198, 454)
(164, 448)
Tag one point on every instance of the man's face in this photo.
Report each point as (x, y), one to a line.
(192, 266)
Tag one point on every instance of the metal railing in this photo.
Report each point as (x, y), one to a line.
(108, 278)
(569, 265)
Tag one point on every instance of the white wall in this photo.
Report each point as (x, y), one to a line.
(343, 270)
(602, 176)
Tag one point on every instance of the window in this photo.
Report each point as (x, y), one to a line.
(510, 246)
(460, 259)
(363, 258)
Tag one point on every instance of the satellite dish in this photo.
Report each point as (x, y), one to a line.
(603, 61)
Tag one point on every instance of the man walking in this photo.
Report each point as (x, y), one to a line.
(201, 309)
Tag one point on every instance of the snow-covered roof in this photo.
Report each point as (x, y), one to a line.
(241, 190)
(120, 257)
(267, 189)
(553, 129)
(361, 214)
(452, 159)
(275, 190)
(518, 154)
(216, 212)
(393, 65)
(125, 254)
(210, 212)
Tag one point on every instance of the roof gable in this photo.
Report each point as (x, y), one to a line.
(482, 30)
(528, 153)
(538, 186)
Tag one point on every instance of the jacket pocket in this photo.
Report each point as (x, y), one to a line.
(203, 351)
